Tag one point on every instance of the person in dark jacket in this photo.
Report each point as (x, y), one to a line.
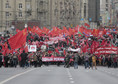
(23, 58)
(76, 59)
(86, 59)
(0, 60)
(6, 59)
(40, 61)
(15, 60)
(67, 60)
(109, 61)
(35, 58)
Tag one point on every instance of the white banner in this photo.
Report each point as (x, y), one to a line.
(74, 50)
(32, 48)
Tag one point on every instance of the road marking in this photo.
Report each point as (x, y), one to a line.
(49, 70)
(106, 71)
(16, 76)
(71, 78)
(102, 70)
(72, 82)
(69, 72)
(112, 73)
(87, 71)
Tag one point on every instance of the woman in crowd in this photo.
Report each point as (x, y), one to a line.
(94, 61)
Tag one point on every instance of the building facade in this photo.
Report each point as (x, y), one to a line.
(106, 12)
(114, 15)
(13, 11)
(109, 12)
(94, 13)
(48, 13)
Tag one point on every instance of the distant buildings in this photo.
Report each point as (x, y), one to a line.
(105, 11)
(109, 12)
(48, 13)
(94, 13)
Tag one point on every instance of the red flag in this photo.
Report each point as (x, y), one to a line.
(65, 31)
(67, 40)
(104, 43)
(57, 51)
(45, 30)
(85, 49)
(93, 48)
(70, 31)
(64, 52)
(29, 29)
(5, 49)
(55, 31)
(49, 52)
(6, 45)
(18, 40)
(95, 32)
(37, 30)
(59, 31)
(81, 29)
(76, 29)
(86, 24)
(17, 30)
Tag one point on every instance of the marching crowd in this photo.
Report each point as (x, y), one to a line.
(71, 59)
(60, 49)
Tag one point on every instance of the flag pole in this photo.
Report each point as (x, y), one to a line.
(26, 26)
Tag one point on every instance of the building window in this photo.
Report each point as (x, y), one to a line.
(7, 23)
(106, 9)
(7, 14)
(106, 5)
(28, 0)
(28, 6)
(106, 1)
(84, 10)
(20, 14)
(7, 5)
(20, 5)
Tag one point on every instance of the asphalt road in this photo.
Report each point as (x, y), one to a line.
(58, 75)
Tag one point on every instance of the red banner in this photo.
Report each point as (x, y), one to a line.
(53, 59)
(106, 50)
